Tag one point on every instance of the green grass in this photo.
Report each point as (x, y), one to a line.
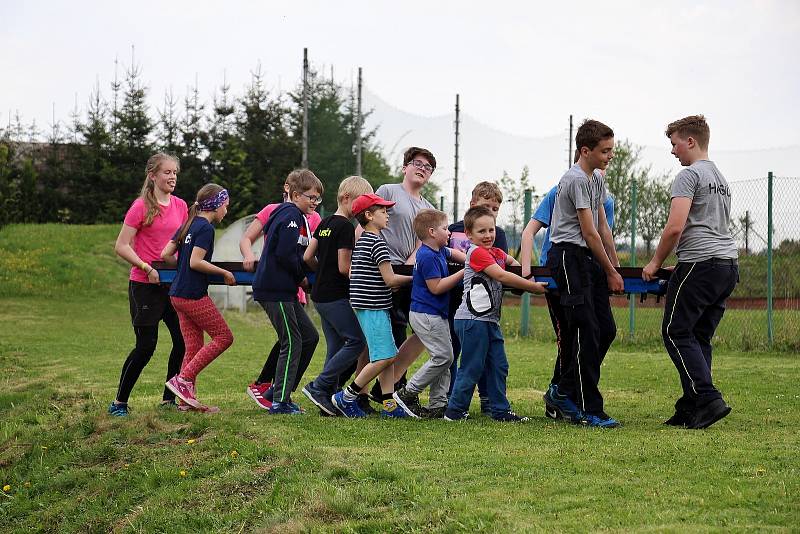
(71, 468)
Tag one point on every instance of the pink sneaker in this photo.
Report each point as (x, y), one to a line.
(257, 393)
(184, 390)
(183, 407)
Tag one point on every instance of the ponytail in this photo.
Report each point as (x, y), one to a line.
(206, 192)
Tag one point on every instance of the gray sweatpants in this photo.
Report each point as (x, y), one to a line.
(434, 332)
(298, 338)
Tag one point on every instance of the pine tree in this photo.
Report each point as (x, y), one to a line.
(225, 163)
(272, 152)
(131, 148)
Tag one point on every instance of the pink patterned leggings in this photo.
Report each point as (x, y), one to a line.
(196, 317)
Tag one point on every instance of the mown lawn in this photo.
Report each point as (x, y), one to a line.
(69, 467)
(72, 468)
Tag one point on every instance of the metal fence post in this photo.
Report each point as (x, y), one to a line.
(441, 203)
(631, 299)
(525, 304)
(770, 326)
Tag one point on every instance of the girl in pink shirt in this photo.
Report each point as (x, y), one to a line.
(149, 224)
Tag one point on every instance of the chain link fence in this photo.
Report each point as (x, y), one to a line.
(763, 312)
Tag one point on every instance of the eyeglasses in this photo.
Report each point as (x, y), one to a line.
(313, 198)
(424, 166)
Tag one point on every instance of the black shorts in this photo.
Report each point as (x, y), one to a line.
(149, 303)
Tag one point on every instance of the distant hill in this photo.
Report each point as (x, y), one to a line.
(485, 152)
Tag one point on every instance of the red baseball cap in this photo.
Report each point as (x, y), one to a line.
(367, 201)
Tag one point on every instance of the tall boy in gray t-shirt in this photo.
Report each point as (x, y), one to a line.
(705, 276)
(418, 166)
(583, 260)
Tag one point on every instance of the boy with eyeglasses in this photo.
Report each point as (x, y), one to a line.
(402, 242)
(261, 391)
(280, 272)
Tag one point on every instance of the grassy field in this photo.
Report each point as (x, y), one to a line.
(67, 467)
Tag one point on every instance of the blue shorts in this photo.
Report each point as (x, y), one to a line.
(377, 329)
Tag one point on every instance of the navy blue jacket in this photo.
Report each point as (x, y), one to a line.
(281, 268)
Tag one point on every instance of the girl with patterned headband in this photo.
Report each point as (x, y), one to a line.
(194, 243)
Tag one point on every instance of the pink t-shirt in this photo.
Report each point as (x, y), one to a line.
(314, 219)
(149, 241)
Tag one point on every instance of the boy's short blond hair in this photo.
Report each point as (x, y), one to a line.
(694, 126)
(353, 186)
(302, 180)
(428, 218)
(487, 190)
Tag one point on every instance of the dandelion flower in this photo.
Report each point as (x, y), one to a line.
(7, 488)
(234, 454)
(183, 472)
(190, 441)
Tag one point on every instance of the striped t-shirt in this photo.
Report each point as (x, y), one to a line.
(368, 291)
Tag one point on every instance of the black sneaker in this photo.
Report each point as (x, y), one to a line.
(434, 413)
(680, 418)
(375, 393)
(510, 417)
(709, 414)
(454, 415)
(320, 398)
(409, 402)
(364, 404)
(551, 413)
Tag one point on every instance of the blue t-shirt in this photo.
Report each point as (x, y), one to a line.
(430, 264)
(188, 283)
(544, 213)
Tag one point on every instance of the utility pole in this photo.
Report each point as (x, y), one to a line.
(358, 127)
(747, 232)
(455, 176)
(570, 158)
(304, 164)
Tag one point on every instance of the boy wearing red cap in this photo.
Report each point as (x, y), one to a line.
(371, 283)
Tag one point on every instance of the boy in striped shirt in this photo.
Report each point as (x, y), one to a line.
(371, 283)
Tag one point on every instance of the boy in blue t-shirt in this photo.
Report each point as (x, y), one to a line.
(430, 301)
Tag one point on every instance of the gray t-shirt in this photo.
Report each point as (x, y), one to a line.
(399, 235)
(576, 191)
(707, 232)
(491, 290)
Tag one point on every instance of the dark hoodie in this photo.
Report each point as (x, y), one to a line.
(281, 268)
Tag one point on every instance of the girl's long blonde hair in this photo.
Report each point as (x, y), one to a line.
(148, 194)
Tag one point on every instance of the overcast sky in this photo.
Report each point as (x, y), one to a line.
(520, 67)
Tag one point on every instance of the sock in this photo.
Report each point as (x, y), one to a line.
(389, 403)
(351, 392)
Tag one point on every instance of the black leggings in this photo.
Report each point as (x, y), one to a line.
(146, 339)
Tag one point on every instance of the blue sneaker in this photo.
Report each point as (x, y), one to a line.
(118, 410)
(598, 421)
(398, 412)
(557, 405)
(348, 408)
(285, 408)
